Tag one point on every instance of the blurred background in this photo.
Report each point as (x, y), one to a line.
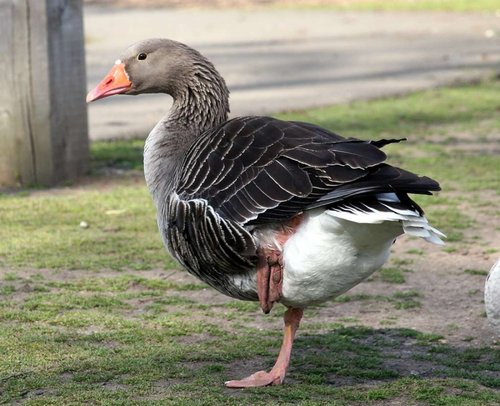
(289, 55)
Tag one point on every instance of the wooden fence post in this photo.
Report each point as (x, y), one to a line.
(43, 116)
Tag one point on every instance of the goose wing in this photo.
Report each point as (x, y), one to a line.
(261, 169)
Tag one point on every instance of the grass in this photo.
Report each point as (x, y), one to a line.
(119, 154)
(432, 116)
(401, 300)
(83, 341)
(96, 315)
(479, 272)
(392, 275)
(43, 230)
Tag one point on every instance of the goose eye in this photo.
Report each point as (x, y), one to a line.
(141, 56)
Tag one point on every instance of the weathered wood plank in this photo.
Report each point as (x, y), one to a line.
(67, 51)
(43, 116)
(16, 149)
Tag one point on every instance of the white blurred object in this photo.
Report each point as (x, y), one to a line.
(492, 296)
(489, 33)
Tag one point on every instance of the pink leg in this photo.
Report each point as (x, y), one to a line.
(277, 374)
(270, 267)
(269, 278)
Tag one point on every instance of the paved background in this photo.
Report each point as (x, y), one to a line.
(275, 60)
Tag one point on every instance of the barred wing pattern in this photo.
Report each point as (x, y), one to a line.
(256, 170)
(209, 246)
(260, 169)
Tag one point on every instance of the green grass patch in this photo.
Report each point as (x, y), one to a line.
(117, 154)
(137, 357)
(414, 115)
(479, 272)
(406, 300)
(428, 119)
(43, 231)
(401, 300)
(104, 340)
(392, 275)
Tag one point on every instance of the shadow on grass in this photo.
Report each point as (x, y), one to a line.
(360, 355)
(347, 365)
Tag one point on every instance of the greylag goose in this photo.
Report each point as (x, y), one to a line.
(259, 208)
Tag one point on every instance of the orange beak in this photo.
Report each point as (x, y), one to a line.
(115, 82)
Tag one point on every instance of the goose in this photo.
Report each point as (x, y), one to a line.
(259, 208)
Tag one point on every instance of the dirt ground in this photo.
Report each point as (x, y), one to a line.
(451, 300)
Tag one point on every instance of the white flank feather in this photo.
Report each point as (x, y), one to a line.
(413, 223)
(333, 250)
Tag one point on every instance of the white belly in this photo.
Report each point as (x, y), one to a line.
(327, 256)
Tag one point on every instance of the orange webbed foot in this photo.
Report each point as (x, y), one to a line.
(257, 380)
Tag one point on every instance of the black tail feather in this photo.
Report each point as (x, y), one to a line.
(384, 179)
(383, 142)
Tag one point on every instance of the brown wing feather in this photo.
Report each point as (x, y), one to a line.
(254, 169)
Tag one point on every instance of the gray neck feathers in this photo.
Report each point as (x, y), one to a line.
(201, 102)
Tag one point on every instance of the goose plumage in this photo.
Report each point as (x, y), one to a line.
(260, 208)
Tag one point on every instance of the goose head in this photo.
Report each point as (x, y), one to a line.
(153, 66)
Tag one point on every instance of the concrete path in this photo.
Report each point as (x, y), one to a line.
(275, 60)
